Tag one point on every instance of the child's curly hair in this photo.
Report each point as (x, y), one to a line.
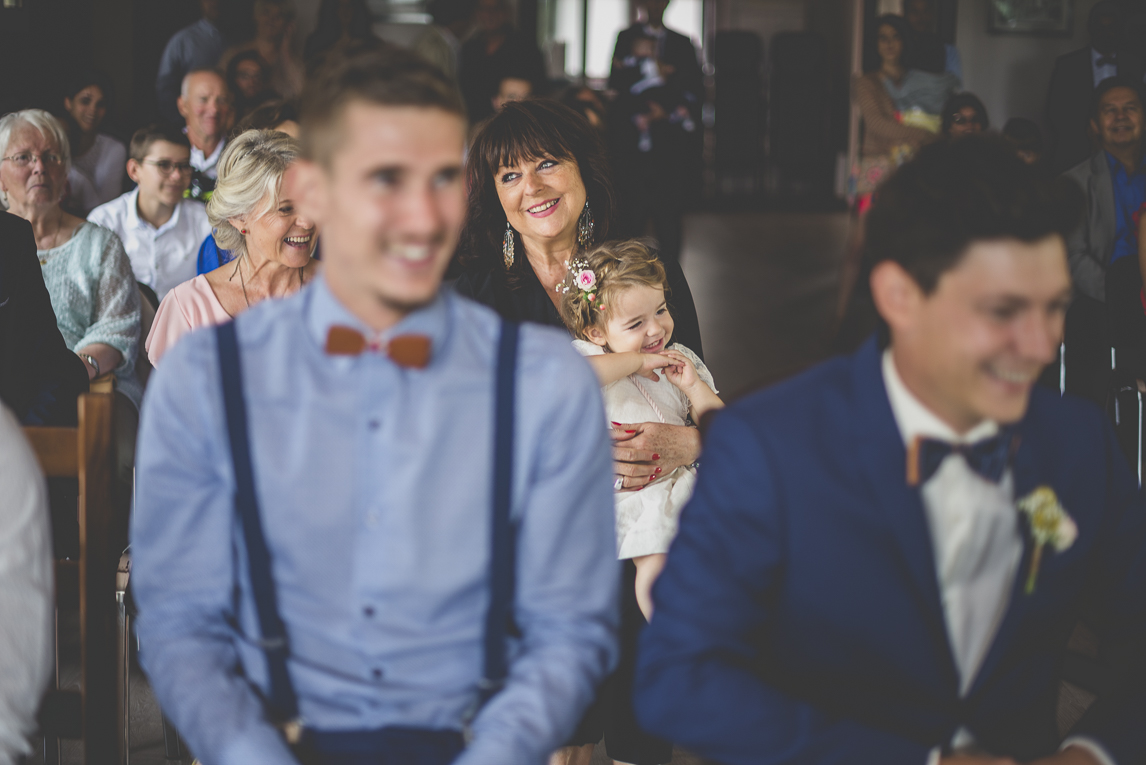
(616, 266)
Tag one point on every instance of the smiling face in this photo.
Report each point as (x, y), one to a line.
(207, 109)
(38, 185)
(282, 234)
(87, 108)
(971, 350)
(164, 174)
(1119, 120)
(391, 204)
(542, 198)
(639, 321)
(890, 44)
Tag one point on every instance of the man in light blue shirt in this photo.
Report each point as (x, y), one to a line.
(374, 480)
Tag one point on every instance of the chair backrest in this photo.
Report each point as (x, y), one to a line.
(88, 453)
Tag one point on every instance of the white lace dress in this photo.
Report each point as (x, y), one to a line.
(647, 519)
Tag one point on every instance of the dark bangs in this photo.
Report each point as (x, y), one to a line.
(524, 131)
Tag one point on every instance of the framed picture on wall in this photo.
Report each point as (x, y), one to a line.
(1050, 18)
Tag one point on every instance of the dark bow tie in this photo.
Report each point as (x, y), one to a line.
(1111, 60)
(989, 457)
(405, 350)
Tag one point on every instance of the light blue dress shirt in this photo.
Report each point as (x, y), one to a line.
(375, 490)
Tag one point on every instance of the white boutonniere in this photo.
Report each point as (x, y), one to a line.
(1050, 524)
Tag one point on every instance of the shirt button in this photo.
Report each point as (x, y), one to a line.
(371, 519)
(368, 611)
(374, 424)
(377, 674)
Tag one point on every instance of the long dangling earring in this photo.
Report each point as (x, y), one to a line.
(507, 246)
(585, 226)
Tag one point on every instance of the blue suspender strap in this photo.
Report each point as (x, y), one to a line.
(282, 705)
(503, 556)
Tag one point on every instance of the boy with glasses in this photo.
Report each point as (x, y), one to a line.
(161, 231)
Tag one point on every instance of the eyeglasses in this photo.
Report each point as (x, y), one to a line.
(25, 159)
(165, 166)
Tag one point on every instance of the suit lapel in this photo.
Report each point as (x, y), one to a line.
(885, 466)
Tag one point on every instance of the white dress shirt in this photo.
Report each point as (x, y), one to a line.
(26, 600)
(977, 540)
(206, 164)
(160, 257)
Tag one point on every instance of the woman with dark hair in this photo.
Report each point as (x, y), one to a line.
(339, 22)
(98, 160)
(248, 79)
(540, 191)
(900, 108)
(964, 114)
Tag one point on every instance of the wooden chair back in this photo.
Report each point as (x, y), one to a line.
(88, 453)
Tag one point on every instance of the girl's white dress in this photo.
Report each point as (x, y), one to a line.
(647, 519)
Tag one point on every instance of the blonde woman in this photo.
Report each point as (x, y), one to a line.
(271, 242)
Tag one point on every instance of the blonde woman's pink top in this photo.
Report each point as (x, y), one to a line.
(188, 306)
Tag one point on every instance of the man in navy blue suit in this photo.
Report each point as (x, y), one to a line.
(886, 555)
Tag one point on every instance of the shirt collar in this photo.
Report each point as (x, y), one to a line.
(205, 161)
(324, 311)
(913, 418)
(134, 221)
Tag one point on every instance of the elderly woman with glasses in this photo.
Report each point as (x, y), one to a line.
(251, 217)
(88, 275)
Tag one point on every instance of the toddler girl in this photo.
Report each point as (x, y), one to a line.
(615, 305)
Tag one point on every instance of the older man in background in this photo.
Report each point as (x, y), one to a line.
(205, 103)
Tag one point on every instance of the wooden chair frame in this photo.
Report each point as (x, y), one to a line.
(87, 452)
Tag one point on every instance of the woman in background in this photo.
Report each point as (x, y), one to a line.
(98, 160)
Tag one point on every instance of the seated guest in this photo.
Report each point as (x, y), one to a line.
(206, 105)
(391, 577)
(911, 601)
(888, 139)
(1114, 182)
(87, 273)
(41, 387)
(1026, 139)
(252, 218)
(191, 49)
(97, 160)
(441, 41)
(27, 601)
(247, 78)
(964, 114)
(160, 230)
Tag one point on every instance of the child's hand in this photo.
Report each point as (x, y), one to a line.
(650, 362)
(680, 371)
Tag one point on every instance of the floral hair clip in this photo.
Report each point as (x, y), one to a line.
(584, 280)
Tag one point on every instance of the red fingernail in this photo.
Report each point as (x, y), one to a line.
(630, 431)
(615, 424)
(656, 456)
(658, 470)
(654, 475)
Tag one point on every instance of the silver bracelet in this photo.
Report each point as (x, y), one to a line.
(90, 360)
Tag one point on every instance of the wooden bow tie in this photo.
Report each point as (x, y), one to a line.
(411, 351)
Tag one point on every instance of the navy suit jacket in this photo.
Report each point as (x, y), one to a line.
(799, 620)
